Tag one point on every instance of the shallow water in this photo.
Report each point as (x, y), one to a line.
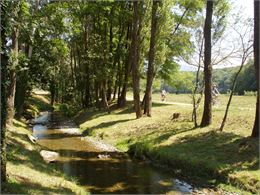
(102, 170)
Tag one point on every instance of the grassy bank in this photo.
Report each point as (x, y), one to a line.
(203, 155)
(27, 172)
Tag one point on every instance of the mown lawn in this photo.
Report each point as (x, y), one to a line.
(203, 154)
(26, 170)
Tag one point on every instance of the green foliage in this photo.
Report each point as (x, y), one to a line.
(67, 110)
(246, 81)
(182, 82)
(220, 15)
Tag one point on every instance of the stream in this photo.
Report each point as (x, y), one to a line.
(98, 167)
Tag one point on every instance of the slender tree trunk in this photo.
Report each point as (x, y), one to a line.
(52, 91)
(114, 92)
(122, 97)
(151, 72)
(135, 55)
(4, 61)
(195, 102)
(231, 94)
(255, 132)
(207, 113)
(104, 96)
(12, 74)
(21, 92)
(109, 91)
(96, 86)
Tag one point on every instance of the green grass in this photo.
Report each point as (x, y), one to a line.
(203, 155)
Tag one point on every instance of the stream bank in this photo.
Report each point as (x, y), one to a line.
(101, 168)
(226, 161)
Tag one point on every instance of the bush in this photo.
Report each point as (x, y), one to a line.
(67, 110)
(250, 93)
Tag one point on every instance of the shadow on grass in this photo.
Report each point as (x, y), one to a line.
(129, 108)
(17, 154)
(206, 156)
(32, 158)
(86, 115)
(158, 104)
(40, 105)
(103, 125)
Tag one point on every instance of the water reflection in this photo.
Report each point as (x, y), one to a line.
(115, 174)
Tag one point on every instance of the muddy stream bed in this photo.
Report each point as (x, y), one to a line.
(98, 167)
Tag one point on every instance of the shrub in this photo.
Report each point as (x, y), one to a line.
(67, 109)
(250, 93)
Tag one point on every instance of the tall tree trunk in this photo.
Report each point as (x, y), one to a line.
(122, 98)
(20, 92)
(104, 96)
(135, 55)
(12, 75)
(114, 91)
(4, 61)
(207, 113)
(96, 86)
(255, 132)
(52, 91)
(196, 102)
(109, 91)
(22, 83)
(151, 72)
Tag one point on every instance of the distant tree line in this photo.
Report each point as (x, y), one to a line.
(183, 81)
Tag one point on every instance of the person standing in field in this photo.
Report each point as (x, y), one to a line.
(163, 95)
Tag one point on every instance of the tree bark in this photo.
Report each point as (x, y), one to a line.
(96, 86)
(104, 96)
(255, 132)
(151, 72)
(12, 74)
(52, 91)
(135, 55)
(122, 98)
(4, 61)
(207, 113)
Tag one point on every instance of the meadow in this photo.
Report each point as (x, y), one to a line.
(205, 156)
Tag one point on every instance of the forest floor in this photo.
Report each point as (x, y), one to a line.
(228, 160)
(26, 170)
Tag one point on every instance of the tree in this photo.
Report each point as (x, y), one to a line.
(151, 69)
(246, 51)
(14, 64)
(135, 56)
(24, 80)
(207, 113)
(4, 62)
(255, 131)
